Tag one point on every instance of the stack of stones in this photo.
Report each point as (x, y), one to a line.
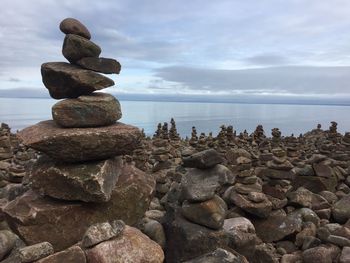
(80, 178)
(194, 138)
(173, 135)
(247, 192)
(5, 143)
(200, 186)
(278, 176)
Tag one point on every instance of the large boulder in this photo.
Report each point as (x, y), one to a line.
(88, 182)
(76, 47)
(81, 144)
(103, 65)
(130, 246)
(97, 109)
(36, 219)
(64, 80)
(74, 26)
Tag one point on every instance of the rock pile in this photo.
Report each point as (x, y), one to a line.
(80, 178)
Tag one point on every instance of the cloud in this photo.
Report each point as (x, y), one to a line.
(289, 80)
(267, 59)
(213, 43)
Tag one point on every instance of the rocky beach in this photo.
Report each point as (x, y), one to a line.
(84, 187)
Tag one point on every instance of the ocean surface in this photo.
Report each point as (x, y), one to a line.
(206, 117)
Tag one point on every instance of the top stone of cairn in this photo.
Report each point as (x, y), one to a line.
(74, 26)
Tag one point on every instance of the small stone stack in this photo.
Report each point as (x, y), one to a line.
(194, 138)
(276, 138)
(82, 148)
(278, 175)
(5, 142)
(200, 186)
(173, 134)
(247, 192)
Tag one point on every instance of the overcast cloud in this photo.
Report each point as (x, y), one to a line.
(270, 47)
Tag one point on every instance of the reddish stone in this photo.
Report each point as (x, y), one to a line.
(36, 219)
(131, 246)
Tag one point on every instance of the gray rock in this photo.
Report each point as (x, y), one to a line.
(74, 26)
(35, 252)
(188, 240)
(64, 80)
(203, 160)
(155, 231)
(103, 65)
(341, 210)
(338, 241)
(98, 233)
(317, 254)
(345, 255)
(118, 226)
(76, 47)
(96, 109)
(200, 185)
(219, 256)
(88, 182)
(7, 242)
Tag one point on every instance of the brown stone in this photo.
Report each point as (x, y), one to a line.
(76, 47)
(64, 80)
(103, 65)
(36, 219)
(96, 109)
(210, 213)
(74, 26)
(88, 182)
(81, 144)
(71, 255)
(131, 246)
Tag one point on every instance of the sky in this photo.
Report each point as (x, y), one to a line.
(296, 49)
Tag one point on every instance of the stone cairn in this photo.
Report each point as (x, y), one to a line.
(80, 183)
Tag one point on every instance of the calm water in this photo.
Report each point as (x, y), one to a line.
(19, 113)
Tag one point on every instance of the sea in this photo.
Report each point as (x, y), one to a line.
(206, 117)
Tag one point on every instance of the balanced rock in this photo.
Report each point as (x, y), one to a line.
(203, 160)
(81, 144)
(131, 246)
(97, 109)
(88, 182)
(64, 80)
(210, 213)
(74, 26)
(37, 219)
(76, 47)
(103, 65)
